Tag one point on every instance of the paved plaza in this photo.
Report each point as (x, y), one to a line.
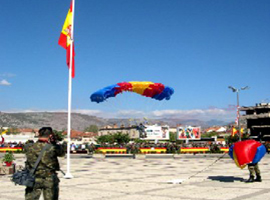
(204, 178)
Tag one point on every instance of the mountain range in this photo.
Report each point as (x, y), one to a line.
(58, 120)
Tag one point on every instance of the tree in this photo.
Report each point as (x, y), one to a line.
(210, 134)
(172, 137)
(105, 139)
(232, 139)
(121, 138)
(59, 135)
(91, 128)
(12, 131)
(138, 140)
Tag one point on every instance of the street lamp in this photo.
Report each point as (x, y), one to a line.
(238, 114)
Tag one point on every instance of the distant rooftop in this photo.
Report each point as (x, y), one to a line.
(258, 106)
(261, 110)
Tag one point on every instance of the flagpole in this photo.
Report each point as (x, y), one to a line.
(68, 174)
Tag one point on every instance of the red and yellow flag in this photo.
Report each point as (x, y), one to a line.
(66, 38)
(234, 131)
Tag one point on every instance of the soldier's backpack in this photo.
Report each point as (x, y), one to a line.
(27, 177)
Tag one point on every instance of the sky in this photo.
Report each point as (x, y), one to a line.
(197, 47)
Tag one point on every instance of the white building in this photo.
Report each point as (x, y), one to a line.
(19, 138)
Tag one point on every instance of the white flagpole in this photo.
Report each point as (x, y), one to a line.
(68, 174)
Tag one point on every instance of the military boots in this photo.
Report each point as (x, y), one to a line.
(258, 178)
(250, 180)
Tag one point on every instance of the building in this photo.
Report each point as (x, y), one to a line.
(21, 135)
(79, 137)
(145, 132)
(173, 129)
(132, 131)
(217, 129)
(27, 131)
(258, 120)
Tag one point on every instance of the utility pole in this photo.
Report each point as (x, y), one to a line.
(238, 106)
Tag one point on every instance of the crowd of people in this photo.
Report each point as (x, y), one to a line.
(171, 147)
(12, 144)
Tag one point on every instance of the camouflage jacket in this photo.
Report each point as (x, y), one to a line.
(49, 163)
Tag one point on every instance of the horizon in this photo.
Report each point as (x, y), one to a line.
(80, 123)
(102, 115)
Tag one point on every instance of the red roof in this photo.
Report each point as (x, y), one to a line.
(79, 134)
(212, 129)
(27, 130)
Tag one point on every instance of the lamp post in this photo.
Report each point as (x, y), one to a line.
(238, 114)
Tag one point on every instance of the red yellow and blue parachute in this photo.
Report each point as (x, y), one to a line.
(246, 152)
(149, 89)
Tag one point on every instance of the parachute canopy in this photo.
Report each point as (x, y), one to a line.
(149, 89)
(246, 152)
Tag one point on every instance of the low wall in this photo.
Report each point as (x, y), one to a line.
(194, 150)
(4, 149)
(111, 150)
(157, 150)
(152, 150)
(224, 149)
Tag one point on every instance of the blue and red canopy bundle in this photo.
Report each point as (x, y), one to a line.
(246, 152)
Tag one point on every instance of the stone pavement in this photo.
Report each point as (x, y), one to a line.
(100, 178)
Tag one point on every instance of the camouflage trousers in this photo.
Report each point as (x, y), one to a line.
(49, 186)
(254, 169)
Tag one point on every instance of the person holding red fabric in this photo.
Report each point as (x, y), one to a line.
(248, 152)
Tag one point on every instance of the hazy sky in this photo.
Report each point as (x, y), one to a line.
(198, 47)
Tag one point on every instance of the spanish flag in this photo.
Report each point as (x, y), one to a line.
(234, 131)
(66, 38)
(4, 132)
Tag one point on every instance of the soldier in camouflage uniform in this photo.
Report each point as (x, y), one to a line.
(46, 176)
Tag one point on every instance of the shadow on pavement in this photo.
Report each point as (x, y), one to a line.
(225, 178)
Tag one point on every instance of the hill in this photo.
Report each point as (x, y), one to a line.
(58, 120)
